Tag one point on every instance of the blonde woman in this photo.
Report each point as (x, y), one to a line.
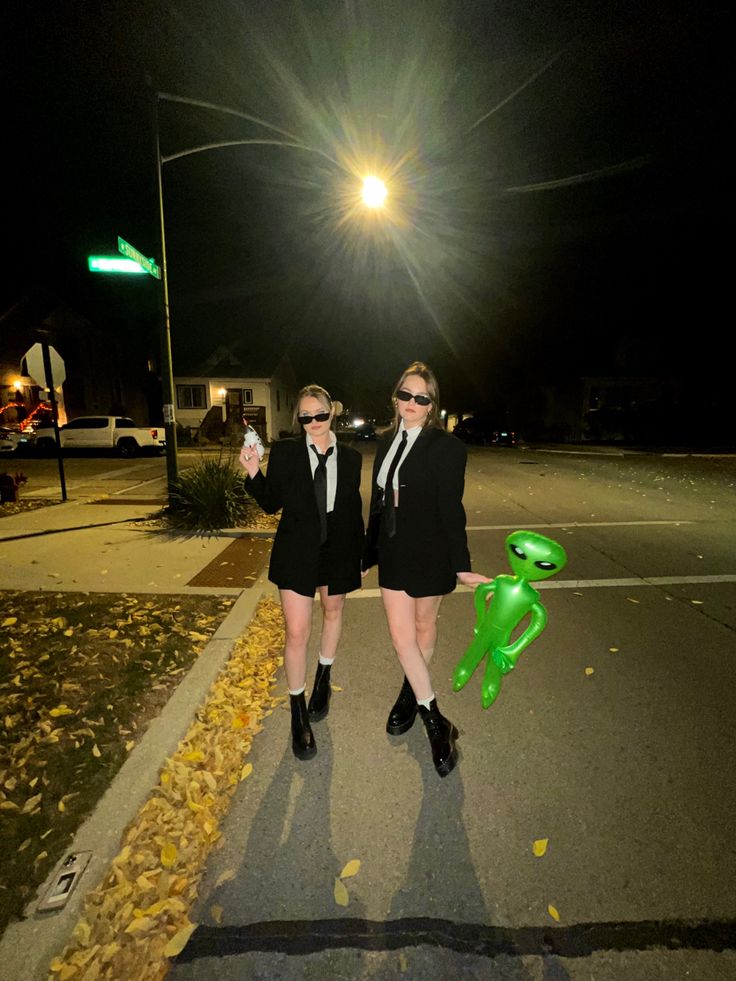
(417, 535)
(315, 482)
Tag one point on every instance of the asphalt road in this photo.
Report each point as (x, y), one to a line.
(613, 739)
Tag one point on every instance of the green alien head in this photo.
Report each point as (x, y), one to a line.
(533, 556)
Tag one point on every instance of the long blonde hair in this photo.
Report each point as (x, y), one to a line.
(420, 369)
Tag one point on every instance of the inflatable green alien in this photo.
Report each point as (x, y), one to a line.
(532, 557)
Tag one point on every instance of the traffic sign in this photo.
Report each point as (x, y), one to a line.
(34, 363)
(125, 248)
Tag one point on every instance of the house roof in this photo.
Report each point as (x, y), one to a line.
(253, 356)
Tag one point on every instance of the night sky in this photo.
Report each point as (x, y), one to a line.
(554, 206)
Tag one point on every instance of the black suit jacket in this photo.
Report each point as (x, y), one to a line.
(430, 545)
(288, 485)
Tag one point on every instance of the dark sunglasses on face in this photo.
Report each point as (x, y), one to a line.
(319, 417)
(408, 396)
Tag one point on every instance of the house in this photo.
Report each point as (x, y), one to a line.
(235, 383)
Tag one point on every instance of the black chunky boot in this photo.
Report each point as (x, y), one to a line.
(319, 700)
(302, 737)
(402, 715)
(442, 735)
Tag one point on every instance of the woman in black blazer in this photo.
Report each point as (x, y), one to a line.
(416, 533)
(316, 483)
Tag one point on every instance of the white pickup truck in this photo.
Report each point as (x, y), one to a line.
(116, 433)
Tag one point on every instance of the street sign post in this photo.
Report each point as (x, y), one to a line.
(126, 249)
(44, 362)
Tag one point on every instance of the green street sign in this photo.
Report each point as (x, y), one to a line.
(125, 248)
(113, 264)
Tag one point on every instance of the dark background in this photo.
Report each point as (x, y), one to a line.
(577, 230)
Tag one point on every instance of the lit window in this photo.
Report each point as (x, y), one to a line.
(191, 397)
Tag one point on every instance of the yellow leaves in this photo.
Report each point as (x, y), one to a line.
(539, 847)
(352, 868)
(553, 913)
(140, 924)
(96, 751)
(9, 622)
(61, 710)
(341, 893)
(589, 671)
(632, 600)
(31, 804)
(195, 635)
(179, 941)
(224, 877)
(613, 650)
(140, 913)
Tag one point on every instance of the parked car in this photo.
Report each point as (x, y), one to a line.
(483, 432)
(118, 433)
(365, 431)
(11, 440)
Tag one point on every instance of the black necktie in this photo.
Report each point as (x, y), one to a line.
(320, 489)
(389, 507)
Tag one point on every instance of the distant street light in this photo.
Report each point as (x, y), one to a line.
(374, 192)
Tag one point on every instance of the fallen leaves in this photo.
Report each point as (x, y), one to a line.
(340, 892)
(539, 847)
(139, 915)
(79, 683)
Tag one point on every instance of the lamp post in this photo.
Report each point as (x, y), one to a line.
(374, 195)
(167, 371)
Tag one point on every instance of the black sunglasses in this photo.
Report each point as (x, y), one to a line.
(408, 396)
(319, 417)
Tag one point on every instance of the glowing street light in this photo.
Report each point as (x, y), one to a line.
(374, 192)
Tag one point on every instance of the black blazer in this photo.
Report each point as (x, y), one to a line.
(430, 546)
(288, 484)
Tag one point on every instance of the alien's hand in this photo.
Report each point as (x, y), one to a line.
(502, 660)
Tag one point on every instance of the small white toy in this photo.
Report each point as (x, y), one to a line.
(252, 439)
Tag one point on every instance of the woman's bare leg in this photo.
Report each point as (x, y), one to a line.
(401, 614)
(298, 616)
(332, 611)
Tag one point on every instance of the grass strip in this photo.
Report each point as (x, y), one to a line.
(81, 677)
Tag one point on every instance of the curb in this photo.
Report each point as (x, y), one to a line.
(27, 947)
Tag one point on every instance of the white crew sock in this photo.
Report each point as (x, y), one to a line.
(326, 660)
(298, 691)
(426, 702)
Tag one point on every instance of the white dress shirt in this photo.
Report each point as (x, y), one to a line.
(411, 437)
(331, 467)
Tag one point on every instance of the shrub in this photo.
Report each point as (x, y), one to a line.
(207, 497)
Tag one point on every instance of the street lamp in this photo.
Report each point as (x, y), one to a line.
(374, 192)
(285, 140)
